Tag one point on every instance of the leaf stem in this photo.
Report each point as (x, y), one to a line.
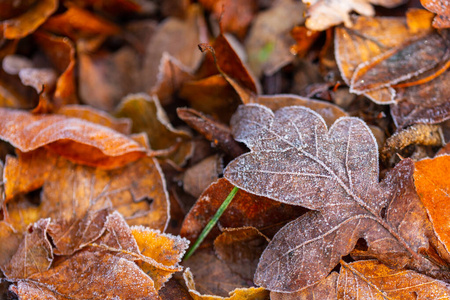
(212, 222)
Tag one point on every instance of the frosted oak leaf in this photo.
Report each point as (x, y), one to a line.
(294, 159)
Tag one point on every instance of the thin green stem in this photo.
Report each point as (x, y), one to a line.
(212, 222)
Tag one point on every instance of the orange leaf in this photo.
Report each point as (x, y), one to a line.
(432, 180)
(77, 140)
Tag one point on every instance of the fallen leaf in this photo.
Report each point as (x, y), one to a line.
(215, 132)
(322, 15)
(109, 276)
(431, 180)
(373, 280)
(34, 254)
(163, 248)
(294, 159)
(73, 138)
(174, 290)
(137, 191)
(198, 177)
(62, 53)
(324, 290)
(177, 37)
(245, 210)
(240, 248)
(269, 40)
(148, 116)
(24, 24)
(234, 17)
(442, 9)
(251, 293)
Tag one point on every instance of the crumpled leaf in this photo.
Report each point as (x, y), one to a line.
(22, 25)
(240, 248)
(109, 276)
(324, 290)
(251, 293)
(325, 14)
(372, 280)
(431, 177)
(164, 248)
(442, 9)
(296, 160)
(78, 140)
(34, 255)
(269, 38)
(148, 116)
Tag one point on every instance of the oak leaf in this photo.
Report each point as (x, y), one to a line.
(294, 159)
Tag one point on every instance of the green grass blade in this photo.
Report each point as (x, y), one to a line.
(212, 222)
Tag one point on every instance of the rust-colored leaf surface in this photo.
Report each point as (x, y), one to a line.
(78, 140)
(252, 293)
(442, 9)
(373, 280)
(431, 177)
(296, 160)
(29, 21)
(245, 210)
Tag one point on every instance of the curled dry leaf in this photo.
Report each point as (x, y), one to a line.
(373, 280)
(148, 116)
(213, 131)
(296, 160)
(78, 140)
(323, 290)
(431, 177)
(251, 293)
(240, 248)
(24, 24)
(325, 14)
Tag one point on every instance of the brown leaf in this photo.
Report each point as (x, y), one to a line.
(177, 37)
(373, 280)
(174, 290)
(109, 276)
(213, 131)
(296, 160)
(240, 248)
(34, 255)
(442, 9)
(22, 25)
(269, 38)
(245, 210)
(251, 293)
(324, 290)
(148, 116)
(73, 138)
(61, 52)
(198, 177)
(234, 16)
(137, 191)
(432, 184)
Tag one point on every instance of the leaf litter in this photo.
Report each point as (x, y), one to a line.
(319, 217)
